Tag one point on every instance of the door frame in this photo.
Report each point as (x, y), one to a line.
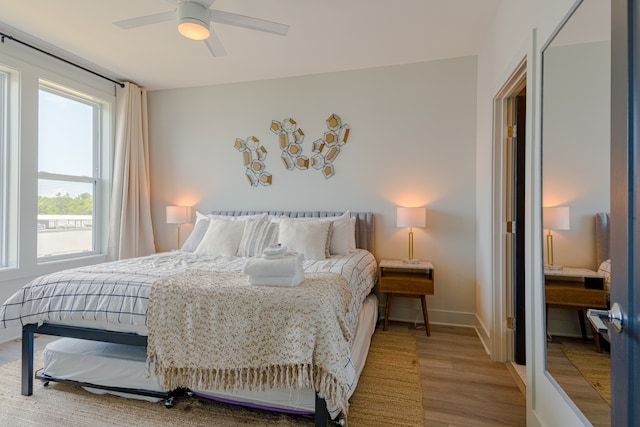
(501, 340)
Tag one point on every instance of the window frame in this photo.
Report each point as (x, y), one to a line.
(98, 141)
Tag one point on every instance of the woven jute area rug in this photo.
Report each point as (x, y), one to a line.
(594, 367)
(388, 394)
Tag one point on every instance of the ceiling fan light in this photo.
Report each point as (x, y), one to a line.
(193, 20)
(193, 30)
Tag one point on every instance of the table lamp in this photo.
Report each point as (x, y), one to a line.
(178, 215)
(554, 218)
(411, 217)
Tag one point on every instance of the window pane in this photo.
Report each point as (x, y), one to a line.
(65, 135)
(65, 217)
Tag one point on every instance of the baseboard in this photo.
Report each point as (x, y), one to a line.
(483, 334)
(444, 317)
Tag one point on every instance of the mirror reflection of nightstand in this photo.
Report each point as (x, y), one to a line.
(574, 288)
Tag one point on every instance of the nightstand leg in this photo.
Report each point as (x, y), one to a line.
(386, 312)
(583, 328)
(425, 314)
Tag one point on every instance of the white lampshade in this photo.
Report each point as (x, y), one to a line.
(178, 214)
(555, 218)
(411, 217)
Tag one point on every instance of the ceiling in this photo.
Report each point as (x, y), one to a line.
(324, 36)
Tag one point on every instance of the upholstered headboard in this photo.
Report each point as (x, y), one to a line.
(602, 237)
(364, 222)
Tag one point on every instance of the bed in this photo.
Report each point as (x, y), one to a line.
(119, 314)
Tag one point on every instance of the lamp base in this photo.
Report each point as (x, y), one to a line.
(553, 267)
(411, 261)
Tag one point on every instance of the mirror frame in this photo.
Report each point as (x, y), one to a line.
(540, 338)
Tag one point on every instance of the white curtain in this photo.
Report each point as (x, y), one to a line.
(130, 229)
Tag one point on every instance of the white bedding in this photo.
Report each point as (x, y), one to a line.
(114, 296)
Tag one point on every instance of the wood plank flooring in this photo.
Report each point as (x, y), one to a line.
(461, 385)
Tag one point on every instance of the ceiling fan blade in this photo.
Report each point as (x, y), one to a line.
(248, 22)
(141, 21)
(214, 45)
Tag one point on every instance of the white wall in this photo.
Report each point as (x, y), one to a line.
(505, 47)
(412, 143)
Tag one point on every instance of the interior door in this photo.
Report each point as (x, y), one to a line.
(625, 209)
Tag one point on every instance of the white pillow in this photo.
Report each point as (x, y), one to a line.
(258, 234)
(605, 270)
(309, 237)
(196, 236)
(222, 238)
(343, 235)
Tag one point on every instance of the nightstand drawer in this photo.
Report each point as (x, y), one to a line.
(406, 282)
(575, 296)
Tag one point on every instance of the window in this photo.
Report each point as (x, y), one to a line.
(4, 170)
(68, 173)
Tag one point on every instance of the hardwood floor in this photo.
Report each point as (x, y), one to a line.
(586, 398)
(461, 385)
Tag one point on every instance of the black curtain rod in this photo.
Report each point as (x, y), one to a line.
(3, 35)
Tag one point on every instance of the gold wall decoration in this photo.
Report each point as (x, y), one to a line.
(290, 138)
(253, 157)
(325, 149)
(328, 147)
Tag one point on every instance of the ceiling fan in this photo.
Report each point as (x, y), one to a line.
(193, 18)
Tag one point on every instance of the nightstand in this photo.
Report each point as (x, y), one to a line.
(407, 280)
(574, 288)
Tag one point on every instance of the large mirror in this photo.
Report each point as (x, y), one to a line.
(575, 189)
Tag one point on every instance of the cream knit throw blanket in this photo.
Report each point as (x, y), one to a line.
(213, 330)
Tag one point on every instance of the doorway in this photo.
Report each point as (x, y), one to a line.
(509, 219)
(515, 204)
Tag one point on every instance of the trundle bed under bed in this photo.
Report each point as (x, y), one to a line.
(122, 319)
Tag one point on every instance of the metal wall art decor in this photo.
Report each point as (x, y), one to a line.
(290, 138)
(253, 156)
(327, 148)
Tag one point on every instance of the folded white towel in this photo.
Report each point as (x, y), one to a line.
(288, 265)
(284, 281)
(274, 251)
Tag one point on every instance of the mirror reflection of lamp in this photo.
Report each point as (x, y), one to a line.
(554, 218)
(411, 217)
(178, 215)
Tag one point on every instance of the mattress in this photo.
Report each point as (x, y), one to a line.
(124, 366)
